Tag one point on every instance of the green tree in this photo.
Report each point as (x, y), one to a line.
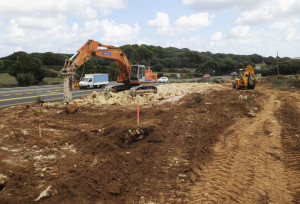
(1, 65)
(144, 52)
(160, 75)
(158, 67)
(26, 70)
(127, 49)
(255, 58)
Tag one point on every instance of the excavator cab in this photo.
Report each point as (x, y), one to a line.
(137, 73)
(241, 73)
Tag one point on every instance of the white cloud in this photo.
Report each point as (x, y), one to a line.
(58, 26)
(65, 38)
(89, 12)
(252, 12)
(13, 8)
(104, 31)
(218, 36)
(287, 28)
(201, 5)
(270, 12)
(181, 25)
(239, 31)
(118, 33)
(39, 23)
(106, 6)
(249, 41)
(86, 8)
(162, 23)
(161, 20)
(193, 22)
(15, 30)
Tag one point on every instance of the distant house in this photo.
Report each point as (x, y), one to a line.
(297, 58)
(257, 67)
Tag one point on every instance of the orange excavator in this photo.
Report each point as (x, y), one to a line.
(136, 78)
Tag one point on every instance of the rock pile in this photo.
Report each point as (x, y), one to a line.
(123, 98)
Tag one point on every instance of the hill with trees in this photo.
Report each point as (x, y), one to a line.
(32, 68)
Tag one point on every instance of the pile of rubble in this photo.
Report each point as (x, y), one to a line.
(123, 98)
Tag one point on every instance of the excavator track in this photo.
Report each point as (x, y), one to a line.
(142, 89)
(133, 90)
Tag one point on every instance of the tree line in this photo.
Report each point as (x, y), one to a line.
(31, 68)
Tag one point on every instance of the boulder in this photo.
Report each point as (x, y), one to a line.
(3, 181)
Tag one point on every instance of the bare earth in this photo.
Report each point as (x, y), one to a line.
(214, 146)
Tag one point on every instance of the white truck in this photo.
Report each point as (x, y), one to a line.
(90, 81)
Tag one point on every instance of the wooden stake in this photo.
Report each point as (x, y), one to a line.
(138, 114)
(40, 130)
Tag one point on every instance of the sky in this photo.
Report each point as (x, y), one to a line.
(242, 27)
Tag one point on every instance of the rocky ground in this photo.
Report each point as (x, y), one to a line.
(195, 143)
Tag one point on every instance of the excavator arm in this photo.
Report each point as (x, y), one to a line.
(91, 48)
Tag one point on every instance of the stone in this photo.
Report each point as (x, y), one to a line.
(115, 188)
(71, 109)
(3, 181)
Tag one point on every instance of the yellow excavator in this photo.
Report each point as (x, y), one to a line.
(246, 79)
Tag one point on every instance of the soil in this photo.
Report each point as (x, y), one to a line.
(216, 146)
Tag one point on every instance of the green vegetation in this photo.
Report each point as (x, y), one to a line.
(6, 80)
(283, 82)
(32, 68)
(26, 70)
(192, 64)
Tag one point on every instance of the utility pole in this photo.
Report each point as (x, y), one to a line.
(277, 64)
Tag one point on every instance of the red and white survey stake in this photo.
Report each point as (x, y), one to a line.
(40, 130)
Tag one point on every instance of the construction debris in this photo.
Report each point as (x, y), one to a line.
(164, 92)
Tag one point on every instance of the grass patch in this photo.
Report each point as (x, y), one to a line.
(283, 82)
(51, 81)
(7, 81)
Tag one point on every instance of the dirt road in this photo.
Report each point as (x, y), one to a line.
(213, 146)
(248, 163)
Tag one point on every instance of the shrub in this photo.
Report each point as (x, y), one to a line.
(25, 79)
(50, 73)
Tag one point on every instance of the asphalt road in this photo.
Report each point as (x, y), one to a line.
(28, 95)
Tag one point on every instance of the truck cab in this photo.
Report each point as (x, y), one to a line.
(93, 81)
(86, 82)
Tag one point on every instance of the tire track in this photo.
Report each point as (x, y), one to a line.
(289, 117)
(245, 167)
